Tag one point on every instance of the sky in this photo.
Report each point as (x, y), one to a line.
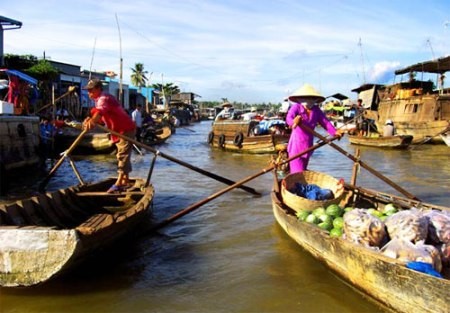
(249, 51)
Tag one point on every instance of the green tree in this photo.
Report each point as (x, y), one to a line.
(138, 77)
(168, 90)
(45, 73)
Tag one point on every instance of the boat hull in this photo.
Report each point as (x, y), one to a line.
(225, 135)
(393, 142)
(383, 279)
(49, 234)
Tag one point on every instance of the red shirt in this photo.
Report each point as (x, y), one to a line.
(113, 115)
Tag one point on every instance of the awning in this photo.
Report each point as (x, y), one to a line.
(438, 66)
(21, 75)
(338, 96)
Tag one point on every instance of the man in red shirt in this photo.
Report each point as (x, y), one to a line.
(109, 111)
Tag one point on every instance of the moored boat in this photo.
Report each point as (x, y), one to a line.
(248, 137)
(156, 135)
(48, 234)
(384, 279)
(416, 107)
(375, 140)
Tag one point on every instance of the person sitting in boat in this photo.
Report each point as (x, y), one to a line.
(388, 129)
(250, 115)
(305, 111)
(226, 113)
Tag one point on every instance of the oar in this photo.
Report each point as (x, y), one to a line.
(168, 157)
(71, 89)
(364, 165)
(428, 138)
(60, 161)
(235, 185)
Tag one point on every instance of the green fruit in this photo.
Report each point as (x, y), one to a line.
(383, 217)
(319, 211)
(389, 209)
(336, 232)
(302, 215)
(338, 222)
(326, 225)
(348, 209)
(326, 218)
(374, 212)
(311, 218)
(334, 210)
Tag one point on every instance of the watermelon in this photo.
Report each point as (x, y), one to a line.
(319, 211)
(326, 225)
(374, 212)
(334, 210)
(311, 218)
(325, 218)
(338, 222)
(302, 215)
(336, 232)
(389, 209)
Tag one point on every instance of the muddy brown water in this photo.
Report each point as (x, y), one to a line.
(229, 255)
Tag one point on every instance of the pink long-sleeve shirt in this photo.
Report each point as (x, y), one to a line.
(301, 140)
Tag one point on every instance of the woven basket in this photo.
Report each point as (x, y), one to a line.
(325, 181)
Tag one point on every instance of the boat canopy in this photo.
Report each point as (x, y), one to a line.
(438, 66)
(21, 75)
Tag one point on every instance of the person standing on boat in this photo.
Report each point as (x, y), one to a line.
(305, 111)
(226, 113)
(388, 129)
(361, 122)
(109, 111)
(136, 116)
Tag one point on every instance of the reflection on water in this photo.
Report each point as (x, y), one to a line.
(229, 255)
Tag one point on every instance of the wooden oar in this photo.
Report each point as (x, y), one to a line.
(71, 89)
(168, 157)
(428, 138)
(61, 160)
(364, 165)
(235, 185)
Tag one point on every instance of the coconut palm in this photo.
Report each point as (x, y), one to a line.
(138, 77)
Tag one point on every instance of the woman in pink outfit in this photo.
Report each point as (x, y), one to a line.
(305, 111)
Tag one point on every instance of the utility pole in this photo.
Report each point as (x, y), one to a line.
(121, 64)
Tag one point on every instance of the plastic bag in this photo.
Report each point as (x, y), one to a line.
(438, 226)
(408, 225)
(363, 228)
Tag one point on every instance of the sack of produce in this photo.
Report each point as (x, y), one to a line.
(363, 228)
(406, 251)
(438, 226)
(408, 225)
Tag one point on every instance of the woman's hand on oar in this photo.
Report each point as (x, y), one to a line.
(170, 158)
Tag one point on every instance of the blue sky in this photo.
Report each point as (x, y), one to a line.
(242, 50)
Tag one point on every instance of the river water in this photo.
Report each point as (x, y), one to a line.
(229, 255)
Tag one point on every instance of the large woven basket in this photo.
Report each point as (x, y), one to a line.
(322, 180)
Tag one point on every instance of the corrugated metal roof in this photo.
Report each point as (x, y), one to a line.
(438, 66)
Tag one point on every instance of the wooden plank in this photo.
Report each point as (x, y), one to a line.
(60, 205)
(16, 216)
(29, 209)
(105, 194)
(95, 223)
(42, 204)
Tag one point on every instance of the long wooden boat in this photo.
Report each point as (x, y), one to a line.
(391, 142)
(155, 136)
(242, 137)
(386, 280)
(93, 142)
(48, 234)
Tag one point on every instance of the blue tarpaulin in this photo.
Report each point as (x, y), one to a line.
(21, 75)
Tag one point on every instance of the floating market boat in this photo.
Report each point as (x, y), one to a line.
(249, 136)
(48, 234)
(384, 279)
(156, 135)
(375, 140)
(416, 107)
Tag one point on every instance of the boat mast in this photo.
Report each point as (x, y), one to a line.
(362, 61)
(121, 62)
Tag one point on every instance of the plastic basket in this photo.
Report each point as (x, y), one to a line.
(322, 180)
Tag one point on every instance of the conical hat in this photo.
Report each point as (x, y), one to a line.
(306, 91)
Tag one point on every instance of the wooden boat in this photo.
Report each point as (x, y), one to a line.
(93, 142)
(386, 280)
(375, 140)
(155, 136)
(416, 107)
(243, 137)
(48, 234)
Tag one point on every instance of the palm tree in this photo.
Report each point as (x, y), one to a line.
(168, 90)
(138, 77)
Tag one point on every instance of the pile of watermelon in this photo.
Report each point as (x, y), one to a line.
(329, 218)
